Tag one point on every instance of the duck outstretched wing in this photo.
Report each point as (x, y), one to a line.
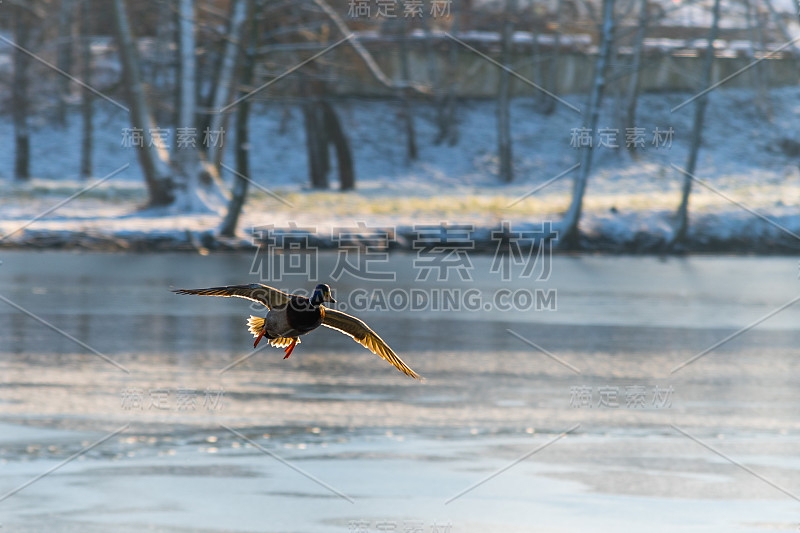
(256, 292)
(362, 334)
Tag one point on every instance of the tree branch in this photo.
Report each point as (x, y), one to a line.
(366, 56)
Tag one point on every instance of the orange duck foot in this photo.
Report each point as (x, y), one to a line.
(258, 339)
(290, 348)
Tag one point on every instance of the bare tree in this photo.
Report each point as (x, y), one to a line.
(336, 136)
(186, 162)
(504, 151)
(209, 66)
(548, 103)
(324, 130)
(224, 80)
(431, 59)
(536, 49)
(362, 52)
(571, 234)
(23, 35)
(153, 158)
(165, 109)
(636, 66)
(682, 216)
(64, 57)
(760, 75)
(316, 142)
(322, 124)
(402, 92)
(182, 182)
(446, 120)
(86, 94)
(241, 182)
(787, 34)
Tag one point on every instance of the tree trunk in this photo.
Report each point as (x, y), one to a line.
(633, 81)
(571, 236)
(446, 101)
(323, 141)
(548, 102)
(431, 59)
(405, 103)
(760, 75)
(64, 58)
(614, 89)
(536, 51)
(337, 136)
(23, 28)
(240, 185)
(682, 226)
(503, 114)
(224, 82)
(186, 162)
(787, 34)
(207, 90)
(86, 94)
(152, 158)
(316, 145)
(166, 30)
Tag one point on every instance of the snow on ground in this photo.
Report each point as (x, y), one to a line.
(741, 158)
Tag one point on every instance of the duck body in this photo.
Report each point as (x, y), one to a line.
(297, 317)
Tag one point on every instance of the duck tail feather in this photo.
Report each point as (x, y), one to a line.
(255, 324)
(282, 342)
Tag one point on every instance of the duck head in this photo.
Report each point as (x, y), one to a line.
(322, 294)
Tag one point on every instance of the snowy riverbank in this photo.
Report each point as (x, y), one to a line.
(747, 173)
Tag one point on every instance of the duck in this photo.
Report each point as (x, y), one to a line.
(290, 316)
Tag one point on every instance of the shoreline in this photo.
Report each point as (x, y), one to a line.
(482, 242)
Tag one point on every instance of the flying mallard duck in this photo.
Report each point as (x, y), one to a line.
(290, 316)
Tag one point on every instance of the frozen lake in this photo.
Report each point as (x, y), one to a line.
(629, 413)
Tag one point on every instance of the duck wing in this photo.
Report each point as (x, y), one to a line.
(256, 292)
(362, 334)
